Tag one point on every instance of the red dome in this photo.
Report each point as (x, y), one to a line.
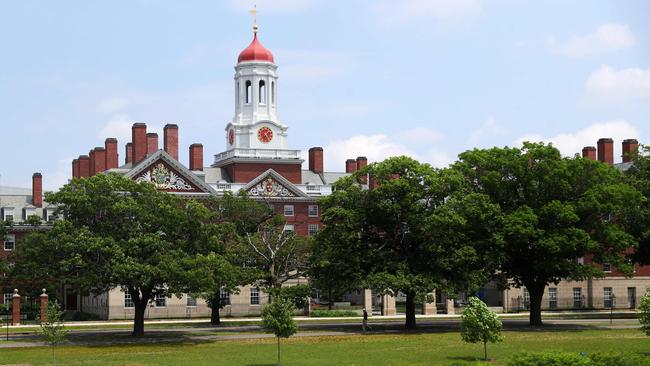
(255, 52)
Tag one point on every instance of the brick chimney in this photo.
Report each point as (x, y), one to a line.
(112, 160)
(630, 146)
(362, 161)
(91, 163)
(128, 153)
(75, 168)
(139, 140)
(316, 160)
(196, 157)
(589, 152)
(171, 140)
(84, 166)
(606, 150)
(100, 160)
(37, 190)
(152, 143)
(350, 166)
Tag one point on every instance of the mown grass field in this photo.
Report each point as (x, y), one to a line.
(399, 349)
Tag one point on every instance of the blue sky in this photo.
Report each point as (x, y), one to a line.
(427, 78)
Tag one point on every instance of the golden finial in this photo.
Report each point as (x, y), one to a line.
(254, 13)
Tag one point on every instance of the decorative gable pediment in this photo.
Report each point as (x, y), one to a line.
(270, 184)
(165, 179)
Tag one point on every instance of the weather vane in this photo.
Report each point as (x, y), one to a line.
(254, 13)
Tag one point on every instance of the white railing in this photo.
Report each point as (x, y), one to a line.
(309, 189)
(258, 154)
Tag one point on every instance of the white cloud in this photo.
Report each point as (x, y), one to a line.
(610, 85)
(608, 37)
(390, 11)
(112, 105)
(572, 143)
(275, 6)
(489, 129)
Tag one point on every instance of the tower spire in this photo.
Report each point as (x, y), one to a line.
(254, 13)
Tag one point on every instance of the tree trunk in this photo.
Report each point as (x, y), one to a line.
(140, 303)
(485, 350)
(536, 293)
(215, 303)
(410, 310)
(278, 351)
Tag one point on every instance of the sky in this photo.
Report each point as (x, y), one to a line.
(424, 78)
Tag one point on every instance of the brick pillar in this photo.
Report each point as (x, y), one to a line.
(630, 146)
(152, 143)
(372, 183)
(75, 168)
(367, 300)
(171, 140)
(362, 161)
(44, 300)
(316, 160)
(606, 150)
(429, 308)
(37, 189)
(91, 163)
(450, 307)
(100, 160)
(388, 305)
(84, 166)
(128, 153)
(350, 166)
(196, 157)
(589, 152)
(15, 308)
(112, 158)
(139, 140)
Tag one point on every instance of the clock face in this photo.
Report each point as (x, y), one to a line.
(265, 135)
(231, 136)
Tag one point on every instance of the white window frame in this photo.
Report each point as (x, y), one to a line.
(255, 294)
(312, 229)
(608, 293)
(9, 238)
(29, 211)
(49, 215)
(8, 211)
(128, 301)
(552, 297)
(162, 298)
(607, 267)
(224, 296)
(577, 297)
(190, 302)
(312, 213)
(8, 298)
(289, 227)
(289, 210)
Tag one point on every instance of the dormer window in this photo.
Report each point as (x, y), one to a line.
(29, 211)
(49, 215)
(8, 214)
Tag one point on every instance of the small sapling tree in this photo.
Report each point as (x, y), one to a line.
(644, 312)
(277, 318)
(52, 330)
(480, 324)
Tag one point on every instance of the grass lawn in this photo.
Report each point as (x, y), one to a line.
(402, 349)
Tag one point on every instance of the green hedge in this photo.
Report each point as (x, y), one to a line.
(332, 313)
(563, 358)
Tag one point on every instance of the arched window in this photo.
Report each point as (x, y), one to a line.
(262, 92)
(273, 92)
(249, 91)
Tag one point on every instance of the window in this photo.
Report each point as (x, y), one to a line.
(161, 301)
(608, 297)
(607, 267)
(225, 297)
(10, 242)
(577, 297)
(552, 297)
(128, 300)
(288, 227)
(249, 91)
(313, 210)
(49, 215)
(29, 211)
(255, 296)
(262, 92)
(8, 298)
(272, 92)
(190, 301)
(526, 299)
(8, 213)
(581, 260)
(288, 210)
(312, 229)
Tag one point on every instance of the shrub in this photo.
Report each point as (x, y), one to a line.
(549, 359)
(480, 324)
(644, 312)
(332, 313)
(619, 359)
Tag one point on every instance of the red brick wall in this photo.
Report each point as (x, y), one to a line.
(300, 219)
(112, 160)
(196, 157)
(139, 139)
(84, 166)
(171, 140)
(246, 172)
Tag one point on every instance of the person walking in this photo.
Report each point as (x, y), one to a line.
(364, 325)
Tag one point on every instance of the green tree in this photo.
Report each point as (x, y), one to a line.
(411, 232)
(277, 318)
(555, 211)
(638, 175)
(644, 312)
(122, 234)
(53, 330)
(480, 324)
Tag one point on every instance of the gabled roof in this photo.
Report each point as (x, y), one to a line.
(271, 185)
(178, 179)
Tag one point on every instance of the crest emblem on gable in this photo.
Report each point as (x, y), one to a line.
(164, 178)
(269, 187)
